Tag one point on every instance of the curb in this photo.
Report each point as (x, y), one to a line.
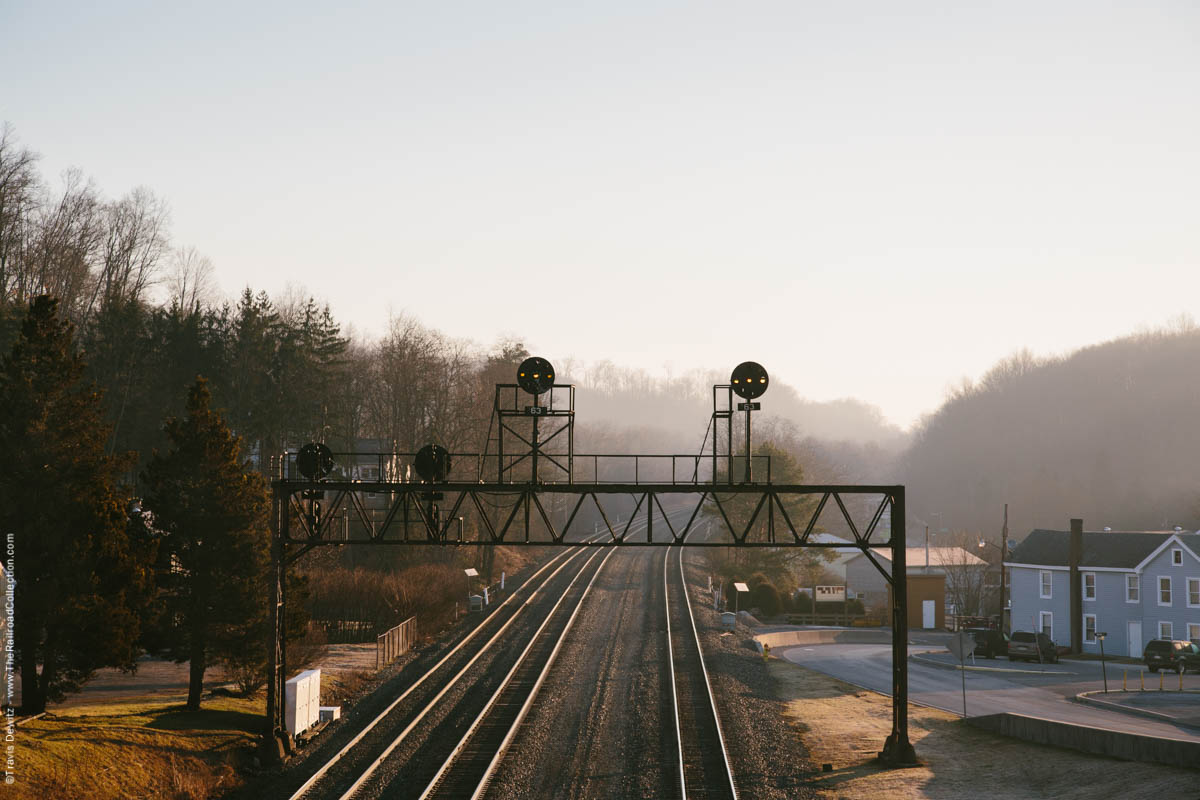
(956, 667)
(1086, 698)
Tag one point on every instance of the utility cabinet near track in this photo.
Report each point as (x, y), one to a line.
(529, 488)
(302, 702)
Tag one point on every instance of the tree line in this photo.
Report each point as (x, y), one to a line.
(1106, 433)
(127, 379)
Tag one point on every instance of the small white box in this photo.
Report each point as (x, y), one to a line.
(330, 713)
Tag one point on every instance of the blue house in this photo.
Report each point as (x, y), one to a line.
(1136, 585)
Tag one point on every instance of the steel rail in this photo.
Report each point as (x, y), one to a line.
(712, 702)
(707, 681)
(671, 667)
(320, 773)
(370, 770)
(435, 785)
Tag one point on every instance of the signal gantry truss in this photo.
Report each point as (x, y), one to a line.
(530, 488)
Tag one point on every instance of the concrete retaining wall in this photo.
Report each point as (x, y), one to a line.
(1114, 744)
(822, 636)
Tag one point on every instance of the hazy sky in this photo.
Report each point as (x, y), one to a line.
(873, 199)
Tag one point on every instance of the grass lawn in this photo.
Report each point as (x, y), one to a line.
(136, 749)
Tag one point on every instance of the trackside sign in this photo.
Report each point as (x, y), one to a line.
(831, 594)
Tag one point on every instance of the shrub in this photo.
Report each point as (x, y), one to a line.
(765, 598)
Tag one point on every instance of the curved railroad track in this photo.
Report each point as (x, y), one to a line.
(704, 769)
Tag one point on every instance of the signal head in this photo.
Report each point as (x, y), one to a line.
(433, 463)
(535, 375)
(749, 380)
(314, 461)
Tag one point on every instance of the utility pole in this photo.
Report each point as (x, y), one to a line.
(1003, 569)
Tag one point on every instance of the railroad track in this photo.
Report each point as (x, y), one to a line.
(469, 768)
(704, 770)
(346, 771)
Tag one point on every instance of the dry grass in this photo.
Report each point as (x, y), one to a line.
(846, 727)
(342, 687)
(136, 749)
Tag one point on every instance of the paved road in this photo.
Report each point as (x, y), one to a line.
(1040, 694)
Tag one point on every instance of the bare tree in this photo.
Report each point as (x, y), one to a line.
(66, 243)
(190, 282)
(20, 192)
(966, 574)
(135, 242)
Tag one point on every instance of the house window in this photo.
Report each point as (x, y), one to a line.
(1193, 587)
(1089, 627)
(1047, 619)
(1194, 631)
(1089, 586)
(1133, 588)
(1047, 586)
(1164, 630)
(1176, 556)
(1164, 591)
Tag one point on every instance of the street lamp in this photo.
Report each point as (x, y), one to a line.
(1100, 638)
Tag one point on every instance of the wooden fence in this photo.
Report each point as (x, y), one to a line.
(393, 643)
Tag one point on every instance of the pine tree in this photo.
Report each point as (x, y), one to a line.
(81, 576)
(212, 514)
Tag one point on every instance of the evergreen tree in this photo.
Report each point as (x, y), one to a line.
(81, 577)
(215, 543)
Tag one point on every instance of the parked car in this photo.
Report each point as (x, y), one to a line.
(1030, 646)
(989, 642)
(1173, 654)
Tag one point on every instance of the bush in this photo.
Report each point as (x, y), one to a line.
(802, 603)
(765, 598)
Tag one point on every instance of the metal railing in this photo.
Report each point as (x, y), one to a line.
(845, 620)
(395, 642)
(586, 468)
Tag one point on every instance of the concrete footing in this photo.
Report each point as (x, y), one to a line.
(1114, 744)
(822, 636)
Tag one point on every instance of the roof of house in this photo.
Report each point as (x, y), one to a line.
(938, 557)
(1112, 549)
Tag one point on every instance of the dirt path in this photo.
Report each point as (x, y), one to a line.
(846, 726)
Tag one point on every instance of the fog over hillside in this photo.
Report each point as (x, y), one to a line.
(677, 408)
(1108, 433)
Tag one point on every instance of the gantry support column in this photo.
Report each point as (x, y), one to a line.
(897, 750)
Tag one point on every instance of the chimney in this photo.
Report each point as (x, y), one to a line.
(1074, 556)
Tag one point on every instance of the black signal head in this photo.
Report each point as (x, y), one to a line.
(433, 463)
(535, 375)
(749, 380)
(314, 461)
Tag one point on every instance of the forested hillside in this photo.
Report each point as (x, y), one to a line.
(1108, 433)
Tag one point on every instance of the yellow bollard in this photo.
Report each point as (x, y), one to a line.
(766, 651)
(1124, 677)
(1143, 674)
(1161, 675)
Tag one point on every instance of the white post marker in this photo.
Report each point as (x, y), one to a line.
(738, 588)
(960, 645)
